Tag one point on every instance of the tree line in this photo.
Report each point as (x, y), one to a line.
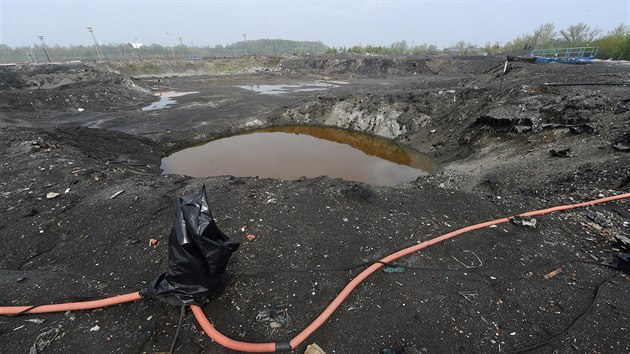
(613, 44)
(400, 47)
(122, 51)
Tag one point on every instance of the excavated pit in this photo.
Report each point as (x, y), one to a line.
(291, 152)
(303, 240)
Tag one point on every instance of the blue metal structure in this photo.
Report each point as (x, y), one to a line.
(564, 55)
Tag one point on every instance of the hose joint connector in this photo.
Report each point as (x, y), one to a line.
(283, 347)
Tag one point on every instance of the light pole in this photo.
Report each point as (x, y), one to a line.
(137, 46)
(181, 41)
(245, 39)
(172, 47)
(98, 47)
(41, 38)
(31, 58)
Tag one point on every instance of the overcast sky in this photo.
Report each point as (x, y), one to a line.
(335, 23)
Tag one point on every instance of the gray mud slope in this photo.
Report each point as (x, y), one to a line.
(383, 66)
(29, 93)
(481, 292)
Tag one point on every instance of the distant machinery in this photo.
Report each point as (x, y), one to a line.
(136, 45)
(564, 55)
(99, 51)
(41, 38)
(245, 42)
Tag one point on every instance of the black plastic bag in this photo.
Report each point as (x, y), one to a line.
(198, 254)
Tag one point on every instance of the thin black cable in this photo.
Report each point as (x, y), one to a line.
(459, 270)
(476, 269)
(179, 327)
(68, 299)
(573, 324)
(588, 84)
(73, 299)
(103, 280)
(364, 264)
(92, 277)
(313, 270)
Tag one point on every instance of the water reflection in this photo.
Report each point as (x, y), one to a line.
(166, 99)
(295, 151)
(267, 89)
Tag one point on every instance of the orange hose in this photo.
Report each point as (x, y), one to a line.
(394, 256)
(228, 342)
(72, 306)
(330, 309)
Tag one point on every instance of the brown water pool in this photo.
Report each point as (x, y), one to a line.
(296, 151)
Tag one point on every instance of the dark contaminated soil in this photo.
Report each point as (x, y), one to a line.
(82, 197)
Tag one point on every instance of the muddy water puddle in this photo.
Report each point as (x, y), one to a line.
(292, 152)
(288, 88)
(167, 99)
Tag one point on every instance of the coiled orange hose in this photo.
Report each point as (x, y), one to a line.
(330, 309)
